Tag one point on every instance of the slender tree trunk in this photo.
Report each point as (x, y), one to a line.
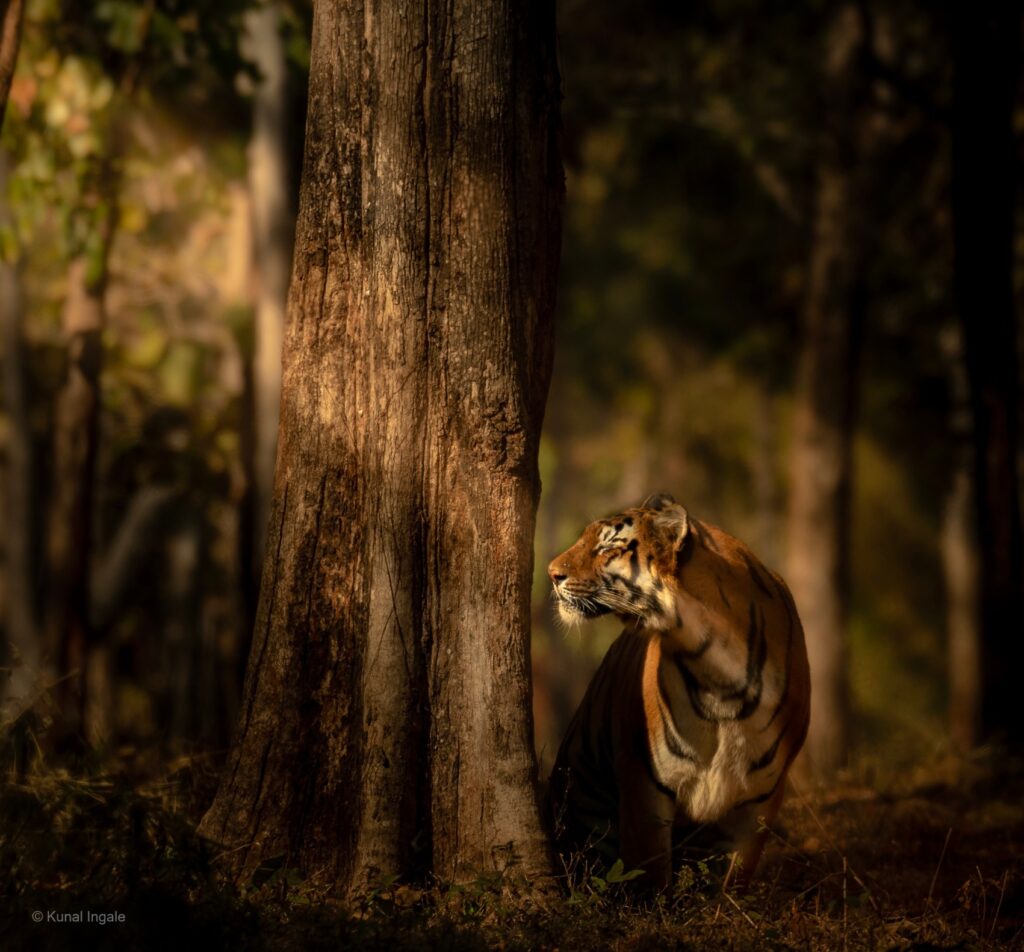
(273, 220)
(22, 654)
(10, 39)
(960, 562)
(960, 567)
(70, 528)
(821, 461)
(985, 84)
(183, 629)
(386, 724)
(74, 464)
(129, 554)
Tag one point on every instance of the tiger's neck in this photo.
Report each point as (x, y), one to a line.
(721, 657)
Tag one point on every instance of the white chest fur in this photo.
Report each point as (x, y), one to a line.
(707, 763)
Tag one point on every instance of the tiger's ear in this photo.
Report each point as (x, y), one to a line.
(658, 501)
(672, 523)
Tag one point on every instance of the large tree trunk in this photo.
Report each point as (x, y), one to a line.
(386, 723)
(821, 460)
(986, 47)
(10, 39)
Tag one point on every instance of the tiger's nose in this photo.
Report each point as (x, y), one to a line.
(556, 573)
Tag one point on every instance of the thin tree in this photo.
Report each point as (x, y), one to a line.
(76, 430)
(273, 221)
(11, 15)
(986, 48)
(826, 395)
(21, 649)
(960, 559)
(386, 724)
(19, 621)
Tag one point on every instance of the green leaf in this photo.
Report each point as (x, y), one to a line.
(618, 873)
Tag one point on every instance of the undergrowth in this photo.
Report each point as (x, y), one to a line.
(929, 859)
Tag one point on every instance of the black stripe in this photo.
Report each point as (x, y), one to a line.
(670, 739)
(769, 755)
(697, 652)
(686, 551)
(748, 693)
(646, 601)
(784, 696)
(695, 691)
(755, 671)
(757, 647)
(629, 586)
(607, 754)
(721, 592)
(705, 537)
(756, 576)
(763, 796)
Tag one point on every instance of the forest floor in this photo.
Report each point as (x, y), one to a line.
(927, 859)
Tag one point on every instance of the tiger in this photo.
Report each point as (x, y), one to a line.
(689, 727)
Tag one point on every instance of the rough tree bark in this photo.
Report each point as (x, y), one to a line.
(985, 82)
(386, 723)
(826, 390)
(10, 39)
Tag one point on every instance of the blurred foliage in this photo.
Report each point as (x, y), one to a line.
(145, 105)
(691, 136)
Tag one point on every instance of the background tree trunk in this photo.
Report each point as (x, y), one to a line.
(21, 652)
(765, 478)
(272, 232)
(960, 561)
(10, 39)
(386, 724)
(985, 82)
(822, 452)
(70, 533)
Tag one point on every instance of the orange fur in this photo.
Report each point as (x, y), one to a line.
(692, 721)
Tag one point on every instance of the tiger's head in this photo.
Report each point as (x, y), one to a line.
(625, 565)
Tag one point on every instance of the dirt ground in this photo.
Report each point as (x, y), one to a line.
(931, 858)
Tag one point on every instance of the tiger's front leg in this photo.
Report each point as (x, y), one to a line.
(748, 829)
(646, 814)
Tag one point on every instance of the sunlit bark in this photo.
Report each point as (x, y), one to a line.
(386, 723)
